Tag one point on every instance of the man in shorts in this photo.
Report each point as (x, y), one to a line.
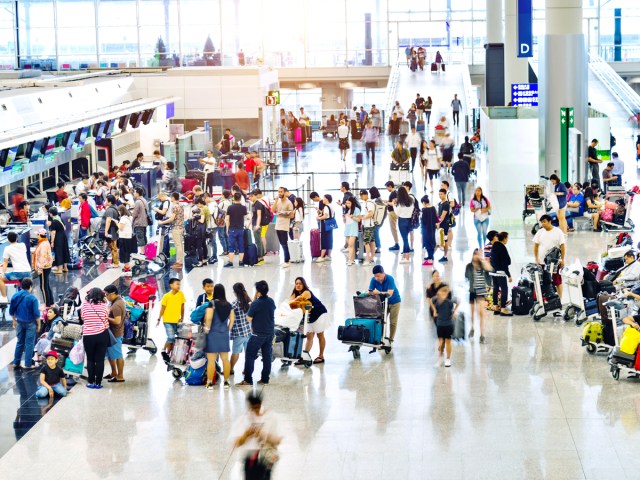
(444, 213)
(117, 313)
(171, 313)
(368, 228)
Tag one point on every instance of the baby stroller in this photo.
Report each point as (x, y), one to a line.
(151, 262)
(617, 219)
(69, 303)
(598, 336)
(369, 328)
(93, 249)
(539, 200)
(139, 303)
(288, 341)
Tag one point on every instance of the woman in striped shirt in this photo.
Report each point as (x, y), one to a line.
(477, 273)
(95, 317)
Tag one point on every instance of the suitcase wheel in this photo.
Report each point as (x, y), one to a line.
(615, 373)
(355, 350)
(177, 373)
(591, 348)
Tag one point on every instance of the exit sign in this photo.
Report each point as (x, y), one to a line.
(275, 93)
(272, 100)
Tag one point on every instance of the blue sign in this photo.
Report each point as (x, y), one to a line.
(524, 94)
(525, 28)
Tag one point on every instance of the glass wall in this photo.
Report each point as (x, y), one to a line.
(76, 34)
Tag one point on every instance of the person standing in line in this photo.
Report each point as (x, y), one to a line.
(500, 262)
(430, 162)
(241, 329)
(428, 220)
(384, 285)
(374, 193)
(352, 218)
(283, 210)
(84, 216)
(139, 217)
(258, 217)
(368, 233)
(95, 317)
(60, 243)
(208, 167)
(345, 189)
(446, 220)
(456, 106)
(298, 218)
(24, 310)
(42, 263)
(343, 140)
(480, 207)
(370, 139)
(224, 203)
(393, 216)
(414, 141)
(235, 229)
(477, 274)
(460, 171)
(161, 212)
(561, 192)
(117, 315)
(261, 316)
(171, 313)
(126, 241)
(618, 168)
(218, 323)
(175, 220)
(325, 212)
(404, 209)
(593, 160)
(547, 238)
(445, 313)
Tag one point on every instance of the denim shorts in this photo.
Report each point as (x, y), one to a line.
(239, 344)
(172, 331)
(236, 242)
(115, 352)
(13, 276)
(141, 235)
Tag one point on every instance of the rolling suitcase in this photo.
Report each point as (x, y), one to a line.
(521, 300)
(187, 184)
(442, 66)
(420, 126)
(359, 158)
(592, 332)
(285, 150)
(373, 325)
(316, 251)
(295, 251)
(273, 245)
(434, 67)
(298, 135)
(459, 327)
(250, 257)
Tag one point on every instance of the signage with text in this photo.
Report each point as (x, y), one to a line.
(525, 28)
(524, 94)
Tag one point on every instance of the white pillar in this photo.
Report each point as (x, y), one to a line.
(494, 21)
(563, 77)
(516, 69)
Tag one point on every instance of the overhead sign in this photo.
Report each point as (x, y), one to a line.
(275, 93)
(272, 100)
(525, 28)
(524, 94)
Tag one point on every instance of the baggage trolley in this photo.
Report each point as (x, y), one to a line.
(599, 336)
(619, 360)
(376, 309)
(139, 303)
(283, 350)
(532, 203)
(624, 199)
(575, 309)
(545, 300)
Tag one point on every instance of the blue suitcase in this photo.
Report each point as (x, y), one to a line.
(374, 325)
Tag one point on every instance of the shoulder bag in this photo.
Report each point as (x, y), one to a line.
(330, 223)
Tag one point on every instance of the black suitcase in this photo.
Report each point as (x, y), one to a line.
(621, 358)
(359, 158)
(613, 264)
(521, 300)
(285, 150)
(353, 334)
(605, 286)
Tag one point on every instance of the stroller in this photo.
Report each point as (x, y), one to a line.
(93, 249)
(598, 336)
(69, 303)
(139, 303)
(288, 341)
(617, 219)
(151, 262)
(369, 328)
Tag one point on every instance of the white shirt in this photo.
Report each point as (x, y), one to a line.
(548, 239)
(81, 188)
(343, 131)
(298, 215)
(431, 157)
(16, 253)
(368, 206)
(618, 168)
(126, 230)
(631, 274)
(209, 164)
(267, 422)
(414, 140)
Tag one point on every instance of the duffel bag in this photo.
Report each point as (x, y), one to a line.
(353, 334)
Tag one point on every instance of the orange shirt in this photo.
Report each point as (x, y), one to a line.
(241, 178)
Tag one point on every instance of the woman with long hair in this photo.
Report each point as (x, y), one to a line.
(319, 319)
(404, 209)
(592, 207)
(241, 328)
(59, 242)
(218, 323)
(431, 162)
(298, 217)
(480, 207)
(352, 217)
(500, 261)
(42, 262)
(95, 337)
(374, 193)
(477, 274)
(325, 212)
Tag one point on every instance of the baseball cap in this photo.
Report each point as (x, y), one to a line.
(52, 353)
(364, 191)
(42, 232)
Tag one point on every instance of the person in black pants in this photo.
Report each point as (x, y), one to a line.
(283, 210)
(500, 261)
(262, 319)
(201, 232)
(95, 336)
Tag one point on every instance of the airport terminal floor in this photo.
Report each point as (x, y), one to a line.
(529, 403)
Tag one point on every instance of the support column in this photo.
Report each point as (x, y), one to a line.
(563, 80)
(516, 69)
(494, 55)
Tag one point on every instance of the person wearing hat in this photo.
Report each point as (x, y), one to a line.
(383, 284)
(117, 313)
(42, 262)
(52, 378)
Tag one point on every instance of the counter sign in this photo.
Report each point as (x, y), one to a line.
(524, 94)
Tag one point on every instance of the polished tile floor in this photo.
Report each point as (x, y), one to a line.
(529, 404)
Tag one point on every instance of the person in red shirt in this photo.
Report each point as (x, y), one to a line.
(84, 216)
(22, 213)
(125, 166)
(60, 192)
(241, 178)
(18, 197)
(249, 164)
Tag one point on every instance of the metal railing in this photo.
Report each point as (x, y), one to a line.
(469, 96)
(620, 89)
(392, 84)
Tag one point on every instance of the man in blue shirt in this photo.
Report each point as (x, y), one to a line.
(25, 311)
(383, 284)
(261, 316)
(575, 207)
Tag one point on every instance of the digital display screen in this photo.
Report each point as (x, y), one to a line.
(81, 136)
(39, 146)
(49, 148)
(11, 157)
(108, 129)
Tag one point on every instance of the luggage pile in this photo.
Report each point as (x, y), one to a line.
(369, 328)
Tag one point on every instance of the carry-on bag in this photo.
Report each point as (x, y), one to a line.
(314, 235)
(434, 67)
(521, 300)
(353, 334)
(373, 325)
(359, 158)
(295, 251)
(369, 306)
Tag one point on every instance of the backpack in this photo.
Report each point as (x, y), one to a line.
(267, 214)
(197, 315)
(415, 216)
(220, 217)
(196, 376)
(456, 207)
(380, 213)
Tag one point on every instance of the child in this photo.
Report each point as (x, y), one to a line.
(52, 379)
(428, 221)
(171, 313)
(445, 312)
(207, 295)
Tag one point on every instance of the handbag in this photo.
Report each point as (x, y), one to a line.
(330, 224)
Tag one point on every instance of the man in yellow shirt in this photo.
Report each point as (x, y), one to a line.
(171, 313)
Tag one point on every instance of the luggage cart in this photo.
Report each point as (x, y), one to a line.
(532, 203)
(376, 316)
(183, 350)
(619, 360)
(289, 332)
(140, 339)
(572, 278)
(598, 336)
(544, 302)
(622, 198)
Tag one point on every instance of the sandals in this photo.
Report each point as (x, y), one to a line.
(319, 360)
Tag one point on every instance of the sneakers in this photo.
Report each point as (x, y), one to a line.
(244, 384)
(261, 383)
(4, 300)
(212, 260)
(319, 260)
(447, 362)
(404, 260)
(91, 385)
(377, 250)
(395, 248)
(345, 250)
(210, 386)
(227, 385)
(350, 264)
(228, 265)
(443, 260)
(427, 263)
(367, 264)
(285, 265)
(224, 254)
(471, 333)
(482, 339)
(439, 362)
(260, 262)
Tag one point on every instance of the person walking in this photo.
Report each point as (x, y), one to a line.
(420, 102)
(117, 315)
(343, 140)
(500, 261)
(325, 212)
(352, 218)
(95, 337)
(384, 285)
(42, 262)
(414, 140)
(393, 216)
(460, 171)
(139, 219)
(428, 105)
(261, 316)
(84, 216)
(481, 208)
(456, 106)
(477, 274)
(368, 227)
(241, 329)
(283, 210)
(412, 115)
(394, 128)
(370, 137)
(428, 220)
(218, 323)
(445, 311)
(24, 310)
(60, 243)
(430, 162)
(319, 319)
(235, 229)
(404, 209)
(446, 221)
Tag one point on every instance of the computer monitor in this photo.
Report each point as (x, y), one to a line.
(108, 128)
(49, 148)
(49, 182)
(39, 147)
(63, 172)
(147, 116)
(98, 130)
(81, 136)
(11, 158)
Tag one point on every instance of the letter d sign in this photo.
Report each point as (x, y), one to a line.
(525, 28)
(524, 50)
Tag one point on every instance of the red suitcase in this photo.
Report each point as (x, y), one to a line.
(187, 184)
(434, 67)
(315, 242)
